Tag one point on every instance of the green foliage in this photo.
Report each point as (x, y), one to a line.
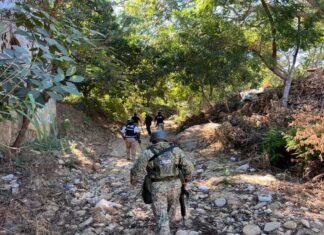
(302, 141)
(66, 125)
(49, 143)
(38, 71)
(99, 65)
(114, 109)
(184, 54)
(45, 128)
(228, 173)
(275, 144)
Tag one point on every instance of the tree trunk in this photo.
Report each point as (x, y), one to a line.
(206, 98)
(21, 133)
(211, 91)
(226, 104)
(284, 99)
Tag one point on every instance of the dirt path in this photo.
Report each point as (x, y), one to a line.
(87, 191)
(222, 201)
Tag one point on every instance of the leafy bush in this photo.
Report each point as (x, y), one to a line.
(301, 143)
(275, 144)
(112, 108)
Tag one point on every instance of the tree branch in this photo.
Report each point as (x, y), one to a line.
(273, 69)
(297, 45)
(273, 33)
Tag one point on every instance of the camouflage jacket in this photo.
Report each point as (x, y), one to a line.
(143, 165)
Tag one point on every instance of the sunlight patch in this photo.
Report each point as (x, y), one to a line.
(81, 157)
(213, 181)
(140, 214)
(256, 179)
(121, 163)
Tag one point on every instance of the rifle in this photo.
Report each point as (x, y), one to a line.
(184, 193)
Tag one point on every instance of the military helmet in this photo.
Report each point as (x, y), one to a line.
(158, 135)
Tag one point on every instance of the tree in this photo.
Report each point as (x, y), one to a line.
(98, 64)
(275, 31)
(37, 71)
(209, 55)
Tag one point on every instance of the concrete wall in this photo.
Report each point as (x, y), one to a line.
(10, 129)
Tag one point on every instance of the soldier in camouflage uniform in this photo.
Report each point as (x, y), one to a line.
(164, 174)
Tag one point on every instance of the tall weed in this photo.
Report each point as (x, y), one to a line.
(45, 127)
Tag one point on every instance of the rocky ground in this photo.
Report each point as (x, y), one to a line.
(93, 196)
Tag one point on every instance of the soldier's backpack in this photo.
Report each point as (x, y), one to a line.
(146, 188)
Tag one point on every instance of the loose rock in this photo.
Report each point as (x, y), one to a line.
(203, 187)
(108, 206)
(290, 225)
(9, 177)
(268, 227)
(86, 223)
(251, 229)
(220, 202)
(186, 232)
(243, 168)
(305, 223)
(259, 205)
(264, 198)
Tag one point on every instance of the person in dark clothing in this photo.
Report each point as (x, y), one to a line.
(159, 121)
(130, 134)
(148, 123)
(136, 119)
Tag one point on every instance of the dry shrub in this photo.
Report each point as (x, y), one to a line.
(309, 135)
(264, 103)
(278, 116)
(229, 135)
(306, 140)
(309, 89)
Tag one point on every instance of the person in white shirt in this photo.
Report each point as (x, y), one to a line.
(131, 134)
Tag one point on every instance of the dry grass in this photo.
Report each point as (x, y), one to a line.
(23, 213)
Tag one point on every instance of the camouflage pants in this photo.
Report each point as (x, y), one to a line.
(165, 199)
